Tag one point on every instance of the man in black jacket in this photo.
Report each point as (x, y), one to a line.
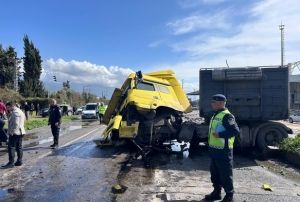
(3, 136)
(54, 122)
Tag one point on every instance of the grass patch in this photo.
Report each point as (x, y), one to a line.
(291, 144)
(70, 118)
(38, 122)
(35, 123)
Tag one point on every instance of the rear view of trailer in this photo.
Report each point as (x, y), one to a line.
(253, 93)
(257, 96)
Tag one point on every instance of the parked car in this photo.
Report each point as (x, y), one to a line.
(90, 111)
(295, 117)
(79, 110)
(66, 109)
(44, 112)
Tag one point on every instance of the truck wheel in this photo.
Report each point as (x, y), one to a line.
(186, 132)
(291, 120)
(269, 136)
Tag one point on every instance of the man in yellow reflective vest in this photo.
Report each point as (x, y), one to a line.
(222, 131)
(101, 110)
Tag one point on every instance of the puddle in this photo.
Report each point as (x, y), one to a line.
(49, 139)
(75, 128)
(31, 144)
(31, 136)
(3, 193)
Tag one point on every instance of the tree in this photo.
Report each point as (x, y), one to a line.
(32, 86)
(8, 66)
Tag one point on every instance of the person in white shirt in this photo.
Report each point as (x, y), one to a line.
(15, 131)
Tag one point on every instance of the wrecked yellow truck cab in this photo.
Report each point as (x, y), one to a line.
(147, 110)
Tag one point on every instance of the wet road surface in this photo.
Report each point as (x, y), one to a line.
(80, 171)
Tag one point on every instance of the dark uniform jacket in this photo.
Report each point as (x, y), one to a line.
(231, 129)
(54, 115)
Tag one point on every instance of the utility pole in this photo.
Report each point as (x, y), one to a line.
(16, 87)
(281, 28)
(13, 61)
(182, 83)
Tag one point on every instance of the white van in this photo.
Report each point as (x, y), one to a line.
(90, 111)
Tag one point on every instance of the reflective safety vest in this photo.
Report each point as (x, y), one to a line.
(216, 124)
(102, 109)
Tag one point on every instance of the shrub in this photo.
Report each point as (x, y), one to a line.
(291, 144)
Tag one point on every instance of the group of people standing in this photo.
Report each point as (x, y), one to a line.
(16, 130)
(222, 132)
(30, 108)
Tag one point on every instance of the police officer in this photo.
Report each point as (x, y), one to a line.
(54, 121)
(222, 131)
(101, 109)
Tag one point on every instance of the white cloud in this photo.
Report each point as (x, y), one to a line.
(155, 44)
(256, 42)
(194, 3)
(199, 22)
(260, 36)
(83, 72)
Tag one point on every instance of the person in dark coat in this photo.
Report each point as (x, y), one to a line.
(27, 110)
(55, 122)
(3, 136)
(31, 109)
(37, 109)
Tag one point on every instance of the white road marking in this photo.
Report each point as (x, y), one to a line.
(68, 143)
(8, 172)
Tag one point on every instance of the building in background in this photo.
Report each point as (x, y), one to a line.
(295, 92)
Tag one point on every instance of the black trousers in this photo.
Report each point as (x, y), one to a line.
(15, 145)
(3, 136)
(221, 174)
(26, 115)
(55, 132)
(101, 118)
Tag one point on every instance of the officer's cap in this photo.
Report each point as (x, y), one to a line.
(219, 97)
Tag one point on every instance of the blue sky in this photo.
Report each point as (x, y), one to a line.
(103, 41)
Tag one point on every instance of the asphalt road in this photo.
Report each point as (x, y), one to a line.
(80, 171)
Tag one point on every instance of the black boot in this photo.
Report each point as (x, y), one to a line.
(8, 165)
(213, 196)
(228, 198)
(54, 146)
(18, 163)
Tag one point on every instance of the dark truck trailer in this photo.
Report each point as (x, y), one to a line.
(257, 96)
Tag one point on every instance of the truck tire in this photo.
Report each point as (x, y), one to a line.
(194, 143)
(187, 132)
(269, 136)
(291, 120)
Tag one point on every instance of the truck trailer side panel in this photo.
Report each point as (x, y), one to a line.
(253, 93)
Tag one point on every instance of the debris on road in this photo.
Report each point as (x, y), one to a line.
(266, 187)
(118, 189)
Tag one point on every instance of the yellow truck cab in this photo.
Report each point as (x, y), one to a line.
(148, 109)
